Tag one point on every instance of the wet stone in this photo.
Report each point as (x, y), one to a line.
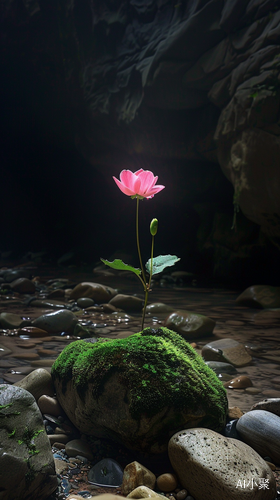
(158, 308)
(127, 302)
(48, 303)
(11, 320)
(29, 356)
(23, 285)
(57, 322)
(240, 382)
(85, 302)
(99, 293)
(219, 367)
(260, 297)
(106, 472)
(4, 350)
(10, 275)
(33, 331)
(190, 325)
(226, 350)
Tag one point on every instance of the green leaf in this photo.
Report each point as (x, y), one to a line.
(161, 262)
(121, 266)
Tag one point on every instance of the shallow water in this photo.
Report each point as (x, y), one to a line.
(259, 330)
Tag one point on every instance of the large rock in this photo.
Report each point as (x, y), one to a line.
(26, 462)
(211, 466)
(138, 390)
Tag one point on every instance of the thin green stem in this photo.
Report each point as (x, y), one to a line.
(144, 308)
(152, 255)
(137, 239)
(141, 265)
(147, 287)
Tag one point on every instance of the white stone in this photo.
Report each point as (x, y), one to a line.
(145, 492)
(211, 466)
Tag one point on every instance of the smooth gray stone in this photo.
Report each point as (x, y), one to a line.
(85, 302)
(57, 321)
(261, 430)
(219, 367)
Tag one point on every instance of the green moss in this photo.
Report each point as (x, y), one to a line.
(159, 368)
(8, 413)
(28, 439)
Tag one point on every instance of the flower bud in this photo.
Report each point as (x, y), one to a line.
(154, 227)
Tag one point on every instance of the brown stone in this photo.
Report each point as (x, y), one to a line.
(234, 412)
(136, 475)
(23, 285)
(33, 331)
(240, 382)
(167, 482)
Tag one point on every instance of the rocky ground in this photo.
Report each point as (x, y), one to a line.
(41, 314)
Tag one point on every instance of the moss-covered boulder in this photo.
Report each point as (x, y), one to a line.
(139, 390)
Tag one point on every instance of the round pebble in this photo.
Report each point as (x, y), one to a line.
(85, 302)
(181, 495)
(167, 482)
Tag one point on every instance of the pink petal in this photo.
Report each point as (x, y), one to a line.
(139, 171)
(128, 178)
(123, 188)
(154, 190)
(148, 180)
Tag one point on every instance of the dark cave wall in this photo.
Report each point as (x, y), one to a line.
(188, 90)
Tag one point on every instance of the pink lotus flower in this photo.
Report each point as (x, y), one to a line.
(140, 184)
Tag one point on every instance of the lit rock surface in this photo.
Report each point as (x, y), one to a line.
(228, 351)
(260, 297)
(270, 404)
(211, 466)
(138, 390)
(134, 475)
(38, 383)
(145, 492)
(27, 468)
(99, 293)
(190, 325)
(127, 302)
(57, 322)
(261, 430)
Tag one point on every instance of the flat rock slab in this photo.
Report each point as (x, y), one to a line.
(227, 351)
(211, 466)
(260, 297)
